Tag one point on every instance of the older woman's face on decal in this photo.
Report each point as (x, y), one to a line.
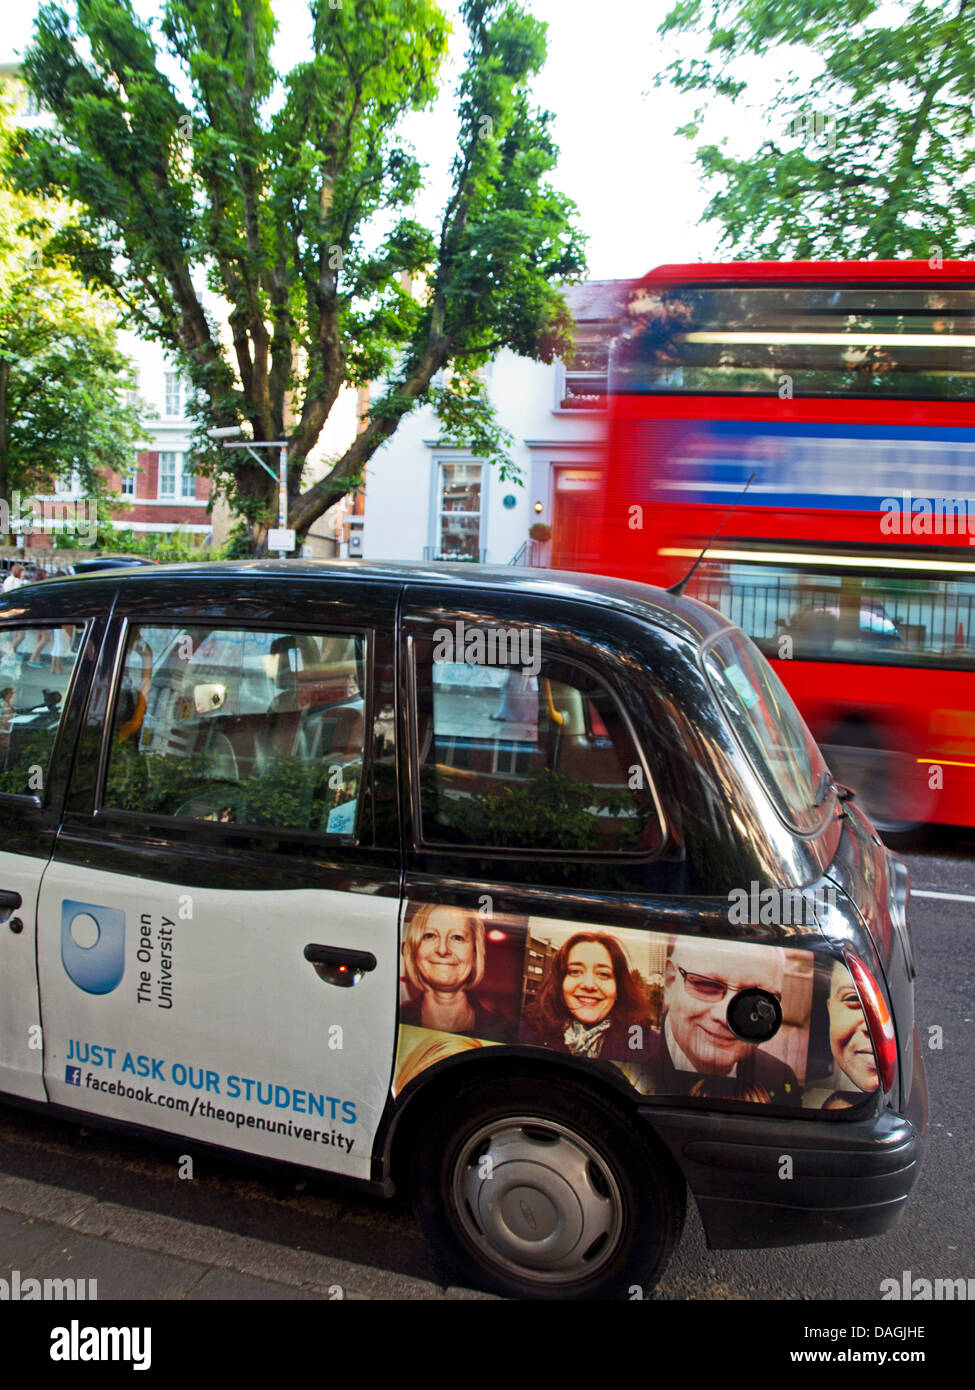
(849, 1039)
(445, 951)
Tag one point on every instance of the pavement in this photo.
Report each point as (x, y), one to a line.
(49, 1232)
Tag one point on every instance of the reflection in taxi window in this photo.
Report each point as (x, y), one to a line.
(777, 742)
(36, 665)
(528, 761)
(240, 728)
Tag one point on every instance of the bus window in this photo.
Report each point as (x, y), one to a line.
(841, 340)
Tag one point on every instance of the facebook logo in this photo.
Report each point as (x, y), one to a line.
(72, 1076)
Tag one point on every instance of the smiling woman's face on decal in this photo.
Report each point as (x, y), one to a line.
(849, 1039)
(589, 987)
(445, 951)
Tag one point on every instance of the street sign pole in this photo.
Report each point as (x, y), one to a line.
(283, 494)
(279, 538)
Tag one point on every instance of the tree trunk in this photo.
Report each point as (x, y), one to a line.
(4, 373)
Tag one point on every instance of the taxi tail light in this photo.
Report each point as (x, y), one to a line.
(878, 1018)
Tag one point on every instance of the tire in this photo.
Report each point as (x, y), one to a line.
(540, 1189)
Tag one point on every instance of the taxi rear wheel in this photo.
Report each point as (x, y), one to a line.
(545, 1191)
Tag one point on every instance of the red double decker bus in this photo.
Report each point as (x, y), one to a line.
(846, 393)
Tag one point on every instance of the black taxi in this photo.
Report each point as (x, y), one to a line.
(530, 894)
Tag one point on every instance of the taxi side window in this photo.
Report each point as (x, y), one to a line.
(522, 759)
(36, 665)
(240, 727)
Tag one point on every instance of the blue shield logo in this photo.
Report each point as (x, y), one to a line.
(93, 945)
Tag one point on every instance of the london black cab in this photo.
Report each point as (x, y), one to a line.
(532, 895)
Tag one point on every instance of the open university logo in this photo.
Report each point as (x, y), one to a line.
(93, 945)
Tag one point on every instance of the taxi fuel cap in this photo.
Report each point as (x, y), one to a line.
(755, 1015)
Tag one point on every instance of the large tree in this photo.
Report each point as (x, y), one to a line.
(872, 156)
(62, 374)
(272, 188)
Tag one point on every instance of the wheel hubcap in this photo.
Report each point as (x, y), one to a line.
(538, 1200)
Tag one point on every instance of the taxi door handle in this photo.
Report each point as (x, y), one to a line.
(9, 902)
(338, 966)
(338, 955)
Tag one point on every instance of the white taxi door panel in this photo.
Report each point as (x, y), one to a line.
(194, 1010)
(21, 1041)
(219, 924)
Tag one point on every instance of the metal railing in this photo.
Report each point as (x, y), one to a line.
(936, 620)
(529, 554)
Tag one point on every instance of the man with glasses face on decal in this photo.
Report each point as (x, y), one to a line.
(696, 1051)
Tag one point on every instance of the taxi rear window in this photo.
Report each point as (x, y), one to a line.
(771, 731)
(515, 758)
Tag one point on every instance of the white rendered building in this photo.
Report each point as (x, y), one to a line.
(426, 501)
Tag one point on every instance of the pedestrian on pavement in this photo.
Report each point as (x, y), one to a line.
(14, 579)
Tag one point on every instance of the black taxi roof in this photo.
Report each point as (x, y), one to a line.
(683, 616)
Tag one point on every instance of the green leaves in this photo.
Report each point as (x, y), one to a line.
(61, 371)
(549, 811)
(468, 420)
(290, 197)
(873, 157)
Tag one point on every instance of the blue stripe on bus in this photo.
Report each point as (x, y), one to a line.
(840, 467)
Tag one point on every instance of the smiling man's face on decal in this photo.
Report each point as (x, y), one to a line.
(700, 982)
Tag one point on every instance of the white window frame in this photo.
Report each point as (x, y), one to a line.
(187, 479)
(563, 374)
(162, 493)
(173, 394)
(440, 512)
(183, 476)
(68, 485)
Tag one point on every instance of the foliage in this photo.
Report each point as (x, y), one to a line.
(539, 531)
(238, 543)
(468, 420)
(162, 545)
(872, 157)
(288, 793)
(61, 372)
(106, 537)
(31, 754)
(300, 218)
(552, 810)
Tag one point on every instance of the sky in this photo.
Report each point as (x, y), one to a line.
(633, 180)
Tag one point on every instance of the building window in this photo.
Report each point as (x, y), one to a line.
(131, 395)
(585, 377)
(460, 511)
(127, 488)
(167, 475)
(174, 394)
(68, 484)
(187, 479)
(177, 478)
